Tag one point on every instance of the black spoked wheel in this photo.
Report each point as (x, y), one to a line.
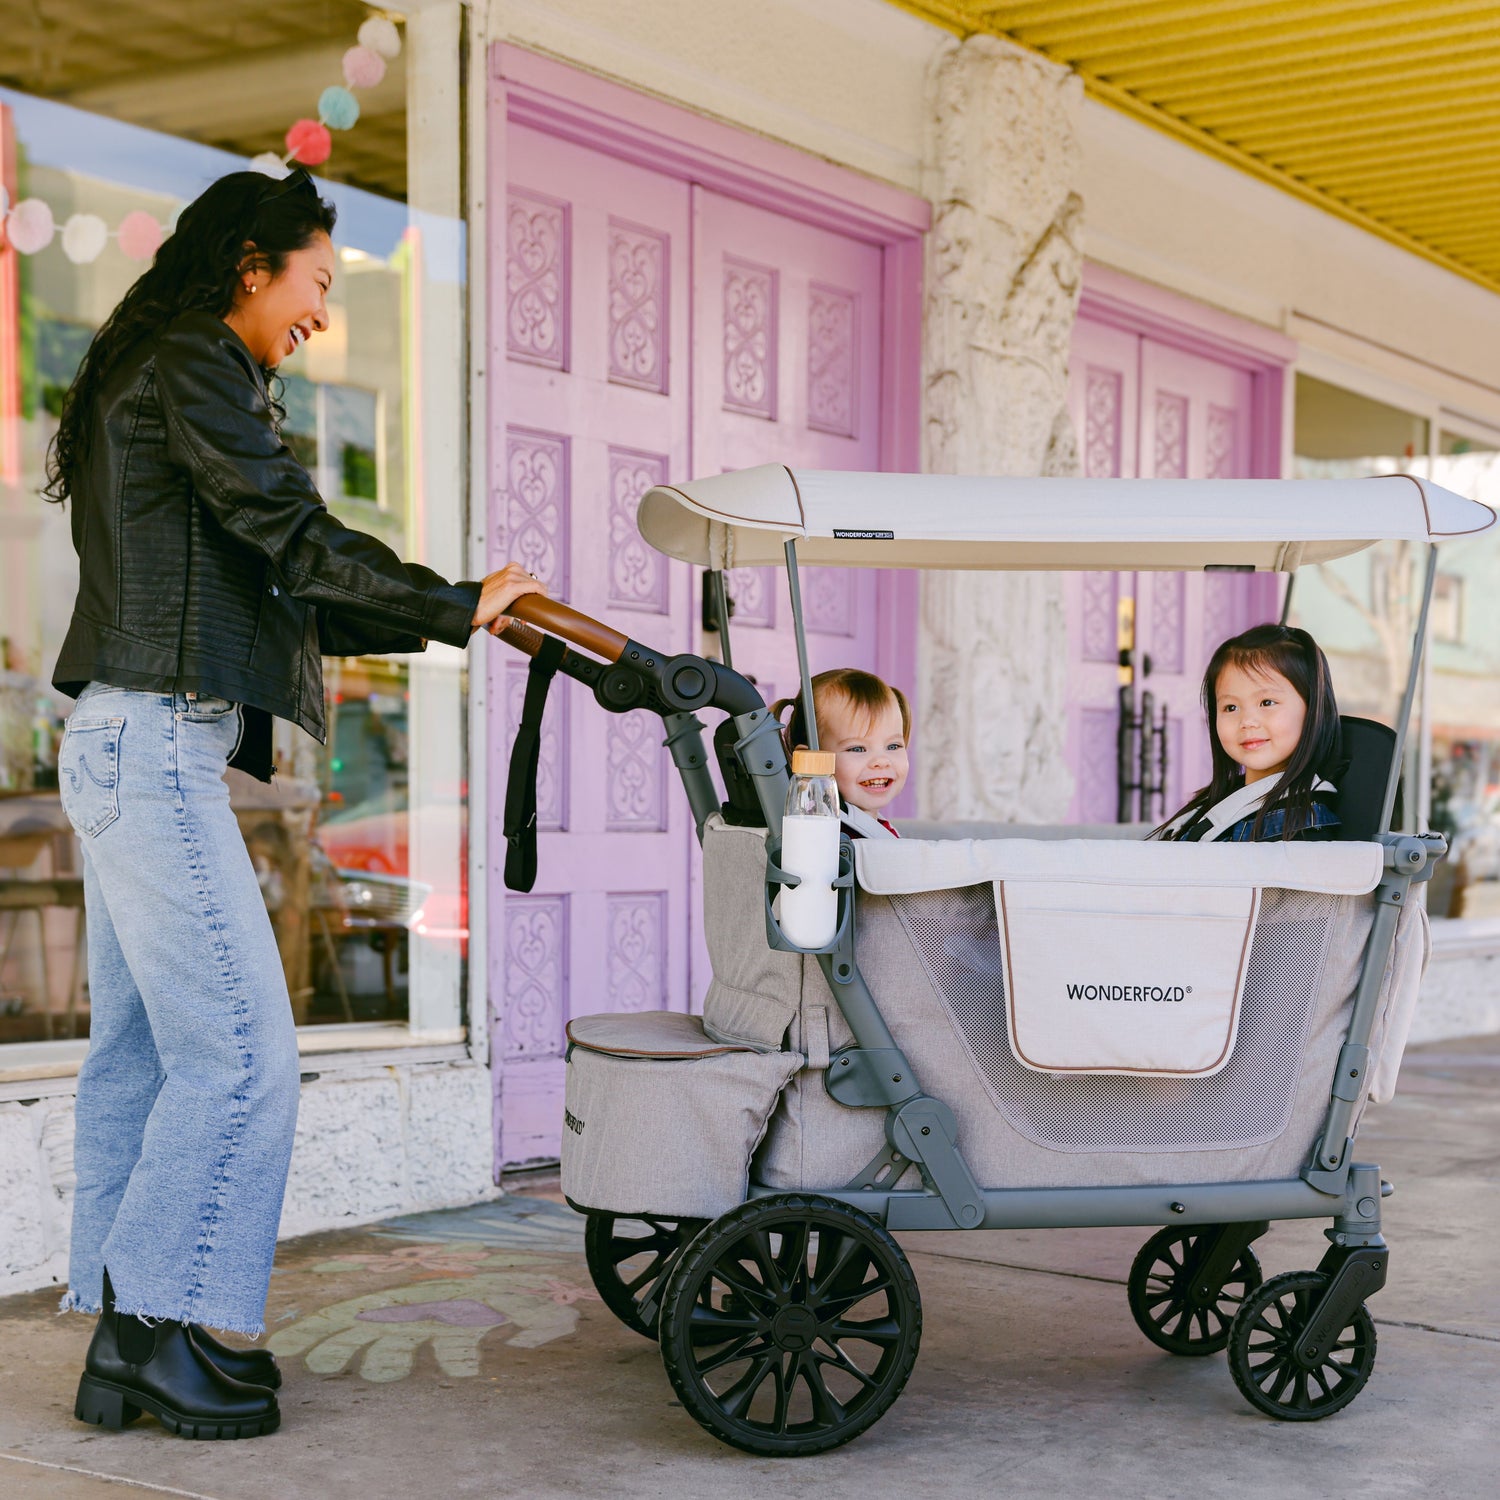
(628, 1259)
(1172, 1308)
(1263, 1352)
(790, 1325)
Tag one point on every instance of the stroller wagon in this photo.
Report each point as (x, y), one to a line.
(1022, 1030)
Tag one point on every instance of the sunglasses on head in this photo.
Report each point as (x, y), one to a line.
(297, 180)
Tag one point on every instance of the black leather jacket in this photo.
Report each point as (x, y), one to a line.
(208, 561)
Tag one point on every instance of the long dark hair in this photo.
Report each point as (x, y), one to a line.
(864, 692)
(197, 269)
(1296, 656)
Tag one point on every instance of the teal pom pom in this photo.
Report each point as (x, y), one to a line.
(337, 107)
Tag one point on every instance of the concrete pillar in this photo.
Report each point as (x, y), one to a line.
(1003, 272)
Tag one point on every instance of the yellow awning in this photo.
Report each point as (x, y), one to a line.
(1384, 112)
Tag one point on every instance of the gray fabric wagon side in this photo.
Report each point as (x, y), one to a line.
(933, 962)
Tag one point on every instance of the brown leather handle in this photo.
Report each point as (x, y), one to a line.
(548, 614)
(526, 640)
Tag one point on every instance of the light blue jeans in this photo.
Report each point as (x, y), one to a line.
(187, 1101)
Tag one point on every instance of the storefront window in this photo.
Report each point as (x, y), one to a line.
(370, 918)
(1465, 692)
(1362, 609)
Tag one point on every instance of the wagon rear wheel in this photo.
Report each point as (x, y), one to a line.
(1171, 1307)
(790, 1325)
(628, 1258)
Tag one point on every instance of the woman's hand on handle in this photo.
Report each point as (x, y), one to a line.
(499, 591)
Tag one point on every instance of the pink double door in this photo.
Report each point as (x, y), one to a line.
(1143, 408)
(796, 313)
(651, 329)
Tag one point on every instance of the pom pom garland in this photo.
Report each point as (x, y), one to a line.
(309, 143)
(363, 67)
(84, 237)
(337, 107)
(29, 226)
(139, 235)
(380, 35)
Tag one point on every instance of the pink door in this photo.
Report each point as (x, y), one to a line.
(1144, 407)
(593, 290)
(607, 270)
(787, 324)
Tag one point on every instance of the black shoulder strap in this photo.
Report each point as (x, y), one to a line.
(520, 789)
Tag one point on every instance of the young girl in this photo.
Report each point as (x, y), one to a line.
(1274, 727)
(866, 723)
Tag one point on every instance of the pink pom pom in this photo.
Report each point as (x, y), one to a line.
(29, 226)
(139, 235)
(309, 142)
(363, 68)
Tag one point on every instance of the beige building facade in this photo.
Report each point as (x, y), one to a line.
(1046, 209)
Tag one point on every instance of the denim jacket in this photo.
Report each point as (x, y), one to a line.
(1322, 828)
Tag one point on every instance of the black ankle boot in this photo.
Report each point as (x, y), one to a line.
(134, 1366)
(251, 1366)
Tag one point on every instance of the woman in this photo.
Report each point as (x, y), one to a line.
(211, 578)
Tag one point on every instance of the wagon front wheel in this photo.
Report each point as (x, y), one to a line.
(628, 1259)
(1263, 1355)
(790, 1325)
(1170, 1304)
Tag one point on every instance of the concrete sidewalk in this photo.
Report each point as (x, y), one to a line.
(465, 1354)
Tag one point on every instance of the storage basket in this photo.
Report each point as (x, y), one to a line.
(660, 1118)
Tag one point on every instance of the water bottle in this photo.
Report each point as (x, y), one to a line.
(809, 912)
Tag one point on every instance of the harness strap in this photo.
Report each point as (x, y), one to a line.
(525, 754)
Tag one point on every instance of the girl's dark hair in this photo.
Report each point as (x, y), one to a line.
(245, 221)
(1296, 656)
(863, 691)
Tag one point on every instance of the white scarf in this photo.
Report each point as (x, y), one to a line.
(1243, 802)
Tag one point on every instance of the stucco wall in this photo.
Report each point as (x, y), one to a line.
(1461, 989)
(371, 1142)
(843, 79)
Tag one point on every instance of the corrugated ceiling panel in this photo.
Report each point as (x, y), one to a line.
(1385, 113)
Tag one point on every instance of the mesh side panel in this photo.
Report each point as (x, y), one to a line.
(1246, 1103)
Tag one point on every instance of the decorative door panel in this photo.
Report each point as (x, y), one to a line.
(787, 331)
(1143, 407)
(591, 277)
(787, 344)
(1104, 399)
(1195, 416)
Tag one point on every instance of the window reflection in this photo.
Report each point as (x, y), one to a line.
(330, 839)
(1465, 708)
(1362, 609)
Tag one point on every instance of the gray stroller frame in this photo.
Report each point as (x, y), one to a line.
(768, 1290)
